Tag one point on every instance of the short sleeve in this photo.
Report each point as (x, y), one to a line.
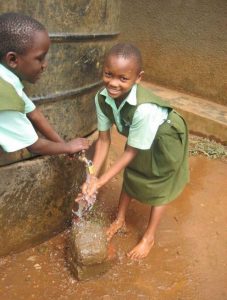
(104, 123)
(29, 105)
(146, 121)
(16, 131)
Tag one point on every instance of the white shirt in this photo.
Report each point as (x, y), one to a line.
(146, 120)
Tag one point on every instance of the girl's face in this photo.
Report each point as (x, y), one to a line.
(30, 65)
(119, 75)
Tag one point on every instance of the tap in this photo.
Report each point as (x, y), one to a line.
(88, 163)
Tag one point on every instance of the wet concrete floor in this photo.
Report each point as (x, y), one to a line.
(188, 260)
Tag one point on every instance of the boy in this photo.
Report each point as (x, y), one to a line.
(155, 158)
(23, 48)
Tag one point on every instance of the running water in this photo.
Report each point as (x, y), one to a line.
(84, 202)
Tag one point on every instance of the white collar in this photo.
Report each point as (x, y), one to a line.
(131, 98)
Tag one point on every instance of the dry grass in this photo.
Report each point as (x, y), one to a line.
(204, 146)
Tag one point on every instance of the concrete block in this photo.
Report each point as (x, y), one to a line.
(88, 251)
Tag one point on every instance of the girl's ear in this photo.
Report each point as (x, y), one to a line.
(11, 59)
(139, 77)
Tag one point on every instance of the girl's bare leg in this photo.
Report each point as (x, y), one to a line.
(142, 249)
(120, 219)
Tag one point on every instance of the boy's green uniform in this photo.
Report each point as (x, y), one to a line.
(16, 130)
(158, 175)
(9, 99)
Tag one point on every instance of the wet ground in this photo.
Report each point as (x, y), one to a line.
(188, 260)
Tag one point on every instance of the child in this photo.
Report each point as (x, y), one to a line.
(23, 48)
(155, 159)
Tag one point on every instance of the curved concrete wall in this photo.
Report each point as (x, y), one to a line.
(36, 194)
(184, 43)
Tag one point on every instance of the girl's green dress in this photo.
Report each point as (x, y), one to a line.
(158, 175)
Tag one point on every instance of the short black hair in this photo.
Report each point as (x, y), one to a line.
(126, 50)
(16, 32)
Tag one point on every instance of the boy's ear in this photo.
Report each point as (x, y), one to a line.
(11, 59)
(139, 76)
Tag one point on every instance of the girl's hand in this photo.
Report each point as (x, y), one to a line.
(79, 197)
(90, 187)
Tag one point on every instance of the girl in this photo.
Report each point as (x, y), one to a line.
(155, 159)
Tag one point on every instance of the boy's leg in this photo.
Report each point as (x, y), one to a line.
(120, 219)
(142, 249)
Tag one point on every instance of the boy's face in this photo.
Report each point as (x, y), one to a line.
(30, 65)
(119, 75)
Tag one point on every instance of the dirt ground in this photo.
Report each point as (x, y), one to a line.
(188, 260)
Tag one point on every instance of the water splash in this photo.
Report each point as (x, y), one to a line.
(85, 202)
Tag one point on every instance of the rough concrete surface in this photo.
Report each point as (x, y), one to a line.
(34, 193)
(88, 250)
(203, 117)
(183, 43)
(36, 200)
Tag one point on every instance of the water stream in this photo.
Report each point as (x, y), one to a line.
(85, 202)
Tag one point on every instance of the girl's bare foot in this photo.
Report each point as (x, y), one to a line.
(142, 249)
(114, 228)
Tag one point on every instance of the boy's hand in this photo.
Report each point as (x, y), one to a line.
(77, 145)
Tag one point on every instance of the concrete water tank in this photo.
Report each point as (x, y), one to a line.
(36, 192)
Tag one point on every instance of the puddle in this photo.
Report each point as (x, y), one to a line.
(188, 260)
